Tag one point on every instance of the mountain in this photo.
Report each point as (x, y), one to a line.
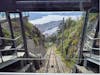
(48, 26)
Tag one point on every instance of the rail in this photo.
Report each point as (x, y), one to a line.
(92, 38)
(3, 38)
(47, 66)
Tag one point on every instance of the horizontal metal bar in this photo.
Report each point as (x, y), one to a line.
(48, 5)
(38, 58)
(12, 49)
(92, 38)
(93, 60)
(4, 64)
(18, 37)
(17, 48)
(10, 38)
(53, 1)
(7, 38)
(34, 58)
(93, 48)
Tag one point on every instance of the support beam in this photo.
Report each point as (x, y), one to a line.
(23, 33)
(11, 28)
(1, 35)
(2, 42)
(95, 47)
(45, 5)
(96, 36)
(83, 38)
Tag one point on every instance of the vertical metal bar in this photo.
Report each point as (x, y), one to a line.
(1, 56)
(85, 62)
(1, 34)
(23, 33)
(21, 63)
(11, 31)
(96, 35)
(11, 28)
(83, 37)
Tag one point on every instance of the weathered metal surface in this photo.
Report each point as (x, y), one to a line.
(47, 5)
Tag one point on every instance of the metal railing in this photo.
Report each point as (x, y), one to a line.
(3, 15)
(16, 49)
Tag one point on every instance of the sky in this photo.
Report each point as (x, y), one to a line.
(45, 17)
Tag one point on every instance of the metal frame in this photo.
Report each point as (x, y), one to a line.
(47, 5)
(23, 33)
(96, 34)
(11, 29)
(13, 39)
(16, 6)
(83, 37)
(1, 35)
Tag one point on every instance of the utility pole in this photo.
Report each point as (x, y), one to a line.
(56, 40)
(62, 34)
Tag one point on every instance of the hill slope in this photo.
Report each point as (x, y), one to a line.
(70, 37)
(30, 30)
(48, 26)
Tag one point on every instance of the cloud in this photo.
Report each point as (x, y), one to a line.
(49, 18)
(58, 12)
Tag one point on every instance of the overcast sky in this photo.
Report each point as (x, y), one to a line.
(45, 17)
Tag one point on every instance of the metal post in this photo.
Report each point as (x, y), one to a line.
(11, 28)
(62, 35)
(23, 33)
(96, 35)
(1, 35)
(85, 62)
(83, 37)
(1, 56)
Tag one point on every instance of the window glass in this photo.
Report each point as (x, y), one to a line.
(2, 16)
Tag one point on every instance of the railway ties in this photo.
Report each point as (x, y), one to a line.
(52, 66)
(53, 63)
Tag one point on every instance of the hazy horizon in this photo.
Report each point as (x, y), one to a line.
(45, 17)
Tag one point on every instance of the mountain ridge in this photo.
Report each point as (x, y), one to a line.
(48, 26)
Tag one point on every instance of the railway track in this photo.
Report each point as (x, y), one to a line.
(52, 64)
(57, 66)
(47, 66)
